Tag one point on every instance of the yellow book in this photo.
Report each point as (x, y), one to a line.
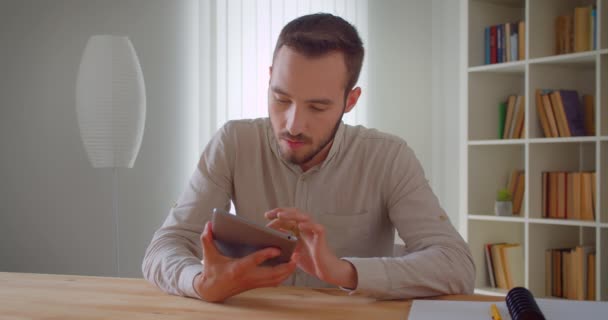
(581, 29)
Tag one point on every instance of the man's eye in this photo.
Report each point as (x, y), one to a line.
(317, 109)
(282, 101)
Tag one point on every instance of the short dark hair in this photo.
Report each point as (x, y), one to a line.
(317, 34)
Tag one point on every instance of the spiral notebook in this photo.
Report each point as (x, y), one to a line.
(551, 309)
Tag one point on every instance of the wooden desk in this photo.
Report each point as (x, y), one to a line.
(38, 296)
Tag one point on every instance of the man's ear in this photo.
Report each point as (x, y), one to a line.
(352, 98)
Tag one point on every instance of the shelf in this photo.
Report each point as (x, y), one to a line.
(491, 292)
(563, 140)
(480, 217)
(497, 142)
(564, 222)
(505, 67)
(574, 59)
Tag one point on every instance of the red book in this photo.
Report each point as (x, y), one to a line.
(493, 45)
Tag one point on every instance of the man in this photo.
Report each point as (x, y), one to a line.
(346, 189)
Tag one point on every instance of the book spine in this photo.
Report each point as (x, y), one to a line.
(487, 45)
(493, 44)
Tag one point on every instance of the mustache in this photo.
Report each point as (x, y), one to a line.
(297, 138)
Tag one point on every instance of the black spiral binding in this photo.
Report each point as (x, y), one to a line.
(522, 306)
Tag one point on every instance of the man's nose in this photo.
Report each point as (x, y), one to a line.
(295, 120)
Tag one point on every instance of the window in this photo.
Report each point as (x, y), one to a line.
(241, 35)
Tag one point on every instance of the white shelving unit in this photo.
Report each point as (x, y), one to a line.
(486, 161)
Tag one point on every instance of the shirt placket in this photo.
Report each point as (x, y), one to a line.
(301, 202)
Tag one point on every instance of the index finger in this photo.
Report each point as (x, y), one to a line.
(287, 214)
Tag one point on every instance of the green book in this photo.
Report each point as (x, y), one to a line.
(502, 115)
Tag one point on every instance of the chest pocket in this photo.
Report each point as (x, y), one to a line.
(349, 233)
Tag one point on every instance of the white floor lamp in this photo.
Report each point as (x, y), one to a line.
(111, 108)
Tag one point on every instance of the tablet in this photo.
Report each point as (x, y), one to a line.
(237, 237)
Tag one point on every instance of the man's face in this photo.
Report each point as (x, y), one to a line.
(306, 103)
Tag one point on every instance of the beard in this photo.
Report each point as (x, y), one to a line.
(299, 160)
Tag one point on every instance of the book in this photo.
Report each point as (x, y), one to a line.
(560, 114)
(545, 191)
(582, 16)
(499, 43)
(561, 195)
(557, 273)
(519, 119)
(513, 262)
(518, 113)
(521, 46)
(589, 114)
(497, 263)
(594, 27)
(493, 44)
(542, 115)
(559, 38)
(568, 34)
(502, 117)
(507, 37)
(573, 111)
(550, 114)
(487, 45)
(490, 264)
(553, 194)
(593, 190)
(512, 183)
(586, 197)
(518, 196)
(514, 42)
(591, 277)
(509, 119)
(575, 196)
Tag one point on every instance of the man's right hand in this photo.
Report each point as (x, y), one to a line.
(224, 277)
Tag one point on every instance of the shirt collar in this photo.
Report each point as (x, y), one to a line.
(333, 151)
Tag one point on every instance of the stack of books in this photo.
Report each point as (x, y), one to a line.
(562, 114)
(511, 116)
(570, 273)
(569, 195)
(505, 42)
(576, 32)
(505, 262)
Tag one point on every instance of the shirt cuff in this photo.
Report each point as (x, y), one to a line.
(186, 280)
(372, 278)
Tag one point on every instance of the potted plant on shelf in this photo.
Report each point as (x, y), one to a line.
(504, 203)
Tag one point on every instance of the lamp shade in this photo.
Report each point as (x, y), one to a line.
(110, 101)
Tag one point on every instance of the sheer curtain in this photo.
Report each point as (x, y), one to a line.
(237, 42)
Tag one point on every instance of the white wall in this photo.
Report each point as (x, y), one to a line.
(413, 55)
(55, 210)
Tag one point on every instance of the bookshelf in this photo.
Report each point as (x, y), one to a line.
(487, 161)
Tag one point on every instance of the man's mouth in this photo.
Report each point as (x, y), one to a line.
(294, 144)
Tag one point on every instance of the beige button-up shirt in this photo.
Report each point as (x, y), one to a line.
(370, 185)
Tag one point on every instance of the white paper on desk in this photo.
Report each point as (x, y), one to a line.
(553, 309)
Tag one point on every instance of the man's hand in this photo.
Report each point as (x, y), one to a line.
(224, 277)
(313, 255)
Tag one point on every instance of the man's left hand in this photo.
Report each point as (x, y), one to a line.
(313, 253)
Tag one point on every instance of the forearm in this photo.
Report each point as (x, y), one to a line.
(436, 270)
(171, 262)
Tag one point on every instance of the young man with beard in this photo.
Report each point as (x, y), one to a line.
(347, 189)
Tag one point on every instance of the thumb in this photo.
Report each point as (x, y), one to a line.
(210, 252)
